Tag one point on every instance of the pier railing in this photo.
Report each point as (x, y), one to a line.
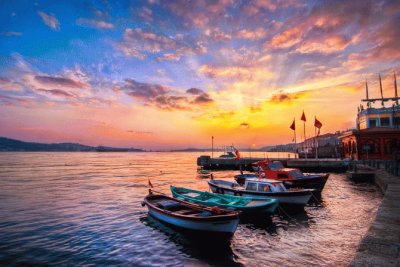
(390, 166)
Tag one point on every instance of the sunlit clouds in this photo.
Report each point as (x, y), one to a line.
(171, 74)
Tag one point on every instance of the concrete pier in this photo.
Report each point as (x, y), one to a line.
(381, 245)
(304, 164)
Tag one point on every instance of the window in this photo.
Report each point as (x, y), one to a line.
(385, 122)
(396, 122)
(263, 188)
(252, 186)
(372, 123)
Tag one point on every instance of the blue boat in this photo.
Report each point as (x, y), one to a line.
(244, 204)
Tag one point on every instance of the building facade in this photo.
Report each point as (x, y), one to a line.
(377, 135)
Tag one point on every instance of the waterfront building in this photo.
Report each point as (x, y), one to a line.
(377, 132)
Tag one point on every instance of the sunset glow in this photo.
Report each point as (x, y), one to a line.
(171, 74)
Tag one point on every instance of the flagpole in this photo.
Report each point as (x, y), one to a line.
(315, 139)
(295, 143)
(305, 145)
(212, 147)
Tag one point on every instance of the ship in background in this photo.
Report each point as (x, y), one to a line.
(377, 135)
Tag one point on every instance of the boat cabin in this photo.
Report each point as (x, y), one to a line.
(264, 185)
(276, 170)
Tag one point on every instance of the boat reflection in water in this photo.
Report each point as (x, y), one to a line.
(215, 251)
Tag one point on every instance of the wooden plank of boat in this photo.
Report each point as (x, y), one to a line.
(244, 204)
(191, 216)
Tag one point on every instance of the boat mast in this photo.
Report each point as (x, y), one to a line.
(380, 85)
(395, 88)
(366, 92)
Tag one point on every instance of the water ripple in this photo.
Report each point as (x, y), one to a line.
(84, 209)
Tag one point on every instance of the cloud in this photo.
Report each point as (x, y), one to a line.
(50, 20)
(257, 34)
(11, 33)
(281, 97)
(7, 84)
(331, 44)
(165, 98)
(195, 91)
(144, 91)
(95, 23)
(138, 43)
(202, 99)
(60, 82)
(245, 125)
(217, 35)
(146, 14)
(286, 39)
(56, 92)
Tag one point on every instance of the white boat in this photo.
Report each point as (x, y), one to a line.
(261, 189)
(191, 216)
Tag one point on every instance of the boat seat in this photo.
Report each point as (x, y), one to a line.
(168, 204)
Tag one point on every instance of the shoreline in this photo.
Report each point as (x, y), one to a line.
(381, 244)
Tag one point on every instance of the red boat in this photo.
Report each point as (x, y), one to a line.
(290, 176)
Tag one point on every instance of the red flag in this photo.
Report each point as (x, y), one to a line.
(293, 126)
(303, 117)
(150, 184)
(317, 123)
(237, 154)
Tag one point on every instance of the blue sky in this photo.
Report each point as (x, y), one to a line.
(132, 64)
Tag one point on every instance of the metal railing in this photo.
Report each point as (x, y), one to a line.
(390, 166)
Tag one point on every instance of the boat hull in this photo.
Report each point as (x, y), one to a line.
(264, 205)
(222, 228)
(298, 198)
(223, 223)
(312, 182)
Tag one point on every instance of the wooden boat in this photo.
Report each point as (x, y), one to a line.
(263, 188)
(190, 216)
(244, 204)
(290, 176)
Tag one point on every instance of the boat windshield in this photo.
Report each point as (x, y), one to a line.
(263, 187)
(276, 165)
(251, 186)
(277, 187)
(296, 173)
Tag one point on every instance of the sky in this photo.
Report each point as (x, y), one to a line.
(170, 74)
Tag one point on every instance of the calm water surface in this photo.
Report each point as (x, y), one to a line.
(84, 209)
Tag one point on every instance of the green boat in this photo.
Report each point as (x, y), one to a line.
(244, 204)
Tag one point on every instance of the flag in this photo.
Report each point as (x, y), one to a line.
(150, 184)
(237, 153)
(293, 126)
(318, 125)
(303, 117)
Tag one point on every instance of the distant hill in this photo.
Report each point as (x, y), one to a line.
(7, 144)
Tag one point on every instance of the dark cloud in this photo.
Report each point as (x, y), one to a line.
(60, 82)
(163, 97)
(145, 91)
(194, 91)
(56, 92)
(244, 125)
(202, 99)
(172, 103)
(287, 97)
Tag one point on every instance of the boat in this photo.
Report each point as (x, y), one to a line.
(191, 216)
(290, 176)
(263, 188)
(201, 173)
(244, 204)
